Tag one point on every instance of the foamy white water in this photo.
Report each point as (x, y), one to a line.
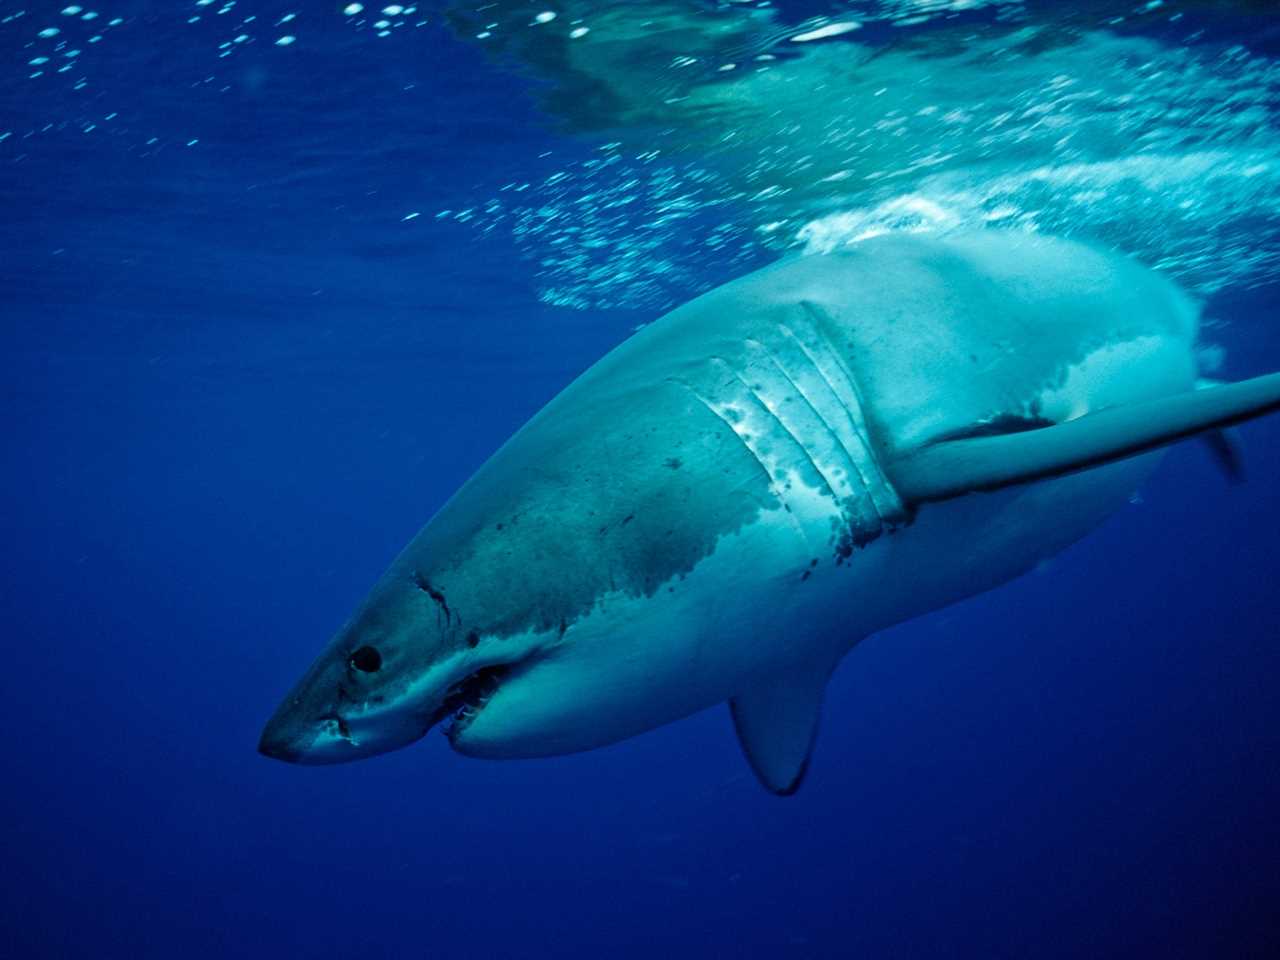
(718, 135)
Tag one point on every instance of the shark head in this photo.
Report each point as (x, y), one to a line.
(403, 664)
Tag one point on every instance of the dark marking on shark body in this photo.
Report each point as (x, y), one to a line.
(425, 586)
(529, 557)
(344, 730)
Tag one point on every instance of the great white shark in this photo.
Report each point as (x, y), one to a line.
(726, 504)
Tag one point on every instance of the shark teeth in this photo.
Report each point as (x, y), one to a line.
(465, 699)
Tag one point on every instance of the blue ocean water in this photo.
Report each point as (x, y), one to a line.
(267, 304)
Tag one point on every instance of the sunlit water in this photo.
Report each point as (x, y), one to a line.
(716, 130)
(728, 127)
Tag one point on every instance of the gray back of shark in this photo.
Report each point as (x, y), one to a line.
(724, 505)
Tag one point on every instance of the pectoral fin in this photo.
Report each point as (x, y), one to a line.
(777, 722)
(953, 468)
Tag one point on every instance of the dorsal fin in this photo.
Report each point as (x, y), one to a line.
(953, 468)
(777, 723)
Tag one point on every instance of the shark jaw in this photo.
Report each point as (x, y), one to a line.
(320, 724)
(466, 698)
(341, 737)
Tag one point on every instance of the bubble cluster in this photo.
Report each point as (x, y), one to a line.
(619, 230)
(735, 132)
(719, 133)
(62, 49)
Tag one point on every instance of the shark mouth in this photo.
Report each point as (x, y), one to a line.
(465, 699)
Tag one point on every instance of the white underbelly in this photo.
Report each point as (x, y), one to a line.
(635, 663)
(773, 593)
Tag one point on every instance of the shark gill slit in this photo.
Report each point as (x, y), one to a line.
(782, 433)
(842, 533)
(849, 490)
(775, 390)
(811, 332)
(765, 356)
(840, 420)
(771, 481)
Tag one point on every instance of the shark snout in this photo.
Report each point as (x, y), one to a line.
(321, 722)
(309, 726)
(285, 738)
(300, 738)
(280, 741)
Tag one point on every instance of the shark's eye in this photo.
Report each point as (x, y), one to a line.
(367, 659)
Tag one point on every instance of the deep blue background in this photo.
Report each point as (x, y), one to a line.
(234, 383)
